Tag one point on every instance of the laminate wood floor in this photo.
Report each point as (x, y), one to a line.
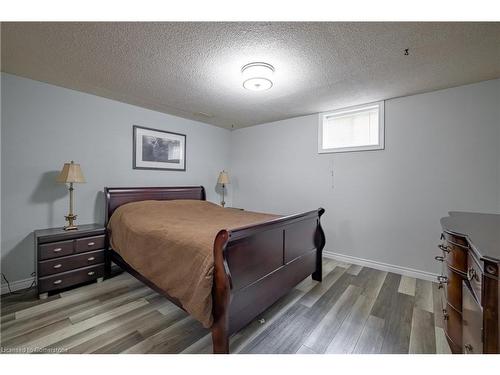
(354, 310)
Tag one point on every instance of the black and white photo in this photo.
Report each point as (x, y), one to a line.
(158, 149)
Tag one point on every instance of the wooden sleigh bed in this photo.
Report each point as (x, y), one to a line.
(253, 265)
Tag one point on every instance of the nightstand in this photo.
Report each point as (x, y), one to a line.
(68, 258)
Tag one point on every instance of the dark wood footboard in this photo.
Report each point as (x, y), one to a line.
(256, 265)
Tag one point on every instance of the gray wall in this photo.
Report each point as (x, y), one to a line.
(44, 126)
(442, 153)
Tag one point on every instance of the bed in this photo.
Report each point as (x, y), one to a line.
(253, 265)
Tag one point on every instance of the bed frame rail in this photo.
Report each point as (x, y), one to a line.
(257, 265)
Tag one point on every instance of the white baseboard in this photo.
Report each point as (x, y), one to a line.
(405, 271)
(17, 285)
(26, 283)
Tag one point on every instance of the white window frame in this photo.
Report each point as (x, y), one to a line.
(343, 111)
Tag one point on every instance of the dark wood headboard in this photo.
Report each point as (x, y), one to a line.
(116, 196)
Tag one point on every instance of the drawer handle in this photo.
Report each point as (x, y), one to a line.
(439, 258)
(471, 274)
(468, 348)
(57, 282)
(57, 249)
(445, 315)
(490, 269)
(91, 259)
(91, 273)
(56, 266)
(91, 244)
(442, 279)
(444, 248)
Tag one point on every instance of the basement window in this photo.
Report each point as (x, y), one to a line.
(359, 128)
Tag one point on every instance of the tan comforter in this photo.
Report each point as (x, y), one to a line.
(171, 244)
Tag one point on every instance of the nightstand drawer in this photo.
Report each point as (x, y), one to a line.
(89, 243)
(65, 279)
(55, 249)
(71, 262)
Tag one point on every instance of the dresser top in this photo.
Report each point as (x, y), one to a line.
(59, 234)
(481, 230)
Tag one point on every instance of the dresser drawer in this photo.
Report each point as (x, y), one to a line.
(71, 262)
(455, 256)
(455, 349)
(453, 325)
(65, 279)
(453, 238)
(89, 243)
(453, 289)
(55, 249)
(472, 323)
(475, 277)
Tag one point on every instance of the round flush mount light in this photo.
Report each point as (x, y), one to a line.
(257, 76)
(257, 84)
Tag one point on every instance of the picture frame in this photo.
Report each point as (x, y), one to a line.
(158, 149)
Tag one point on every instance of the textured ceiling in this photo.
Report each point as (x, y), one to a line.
(192, 70)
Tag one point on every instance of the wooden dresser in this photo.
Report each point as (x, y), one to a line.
(470, 255)
(67, 258)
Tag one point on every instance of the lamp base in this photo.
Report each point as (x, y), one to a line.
(71, 225)
(222, 203)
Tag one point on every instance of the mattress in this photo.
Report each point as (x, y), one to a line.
(171, 244)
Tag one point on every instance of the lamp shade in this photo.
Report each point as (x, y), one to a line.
(223, 178)
(71, 172)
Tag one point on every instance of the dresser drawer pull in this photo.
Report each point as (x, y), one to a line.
(91, 273)
(91, 259)
(472, 275)
(91, 244)
(439, 258)
(442, 279)
(444, 248)
(491, 270)
(56, 266)
(57, 282)
(469, 348)
(57, 249)
(445, 314)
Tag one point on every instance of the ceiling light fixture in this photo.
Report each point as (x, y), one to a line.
(257, 76)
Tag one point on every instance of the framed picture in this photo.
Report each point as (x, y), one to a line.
(158, 149)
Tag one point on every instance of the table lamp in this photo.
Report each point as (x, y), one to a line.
(223, 180)
(71, 173)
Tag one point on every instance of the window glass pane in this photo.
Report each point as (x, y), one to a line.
(356, 129)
